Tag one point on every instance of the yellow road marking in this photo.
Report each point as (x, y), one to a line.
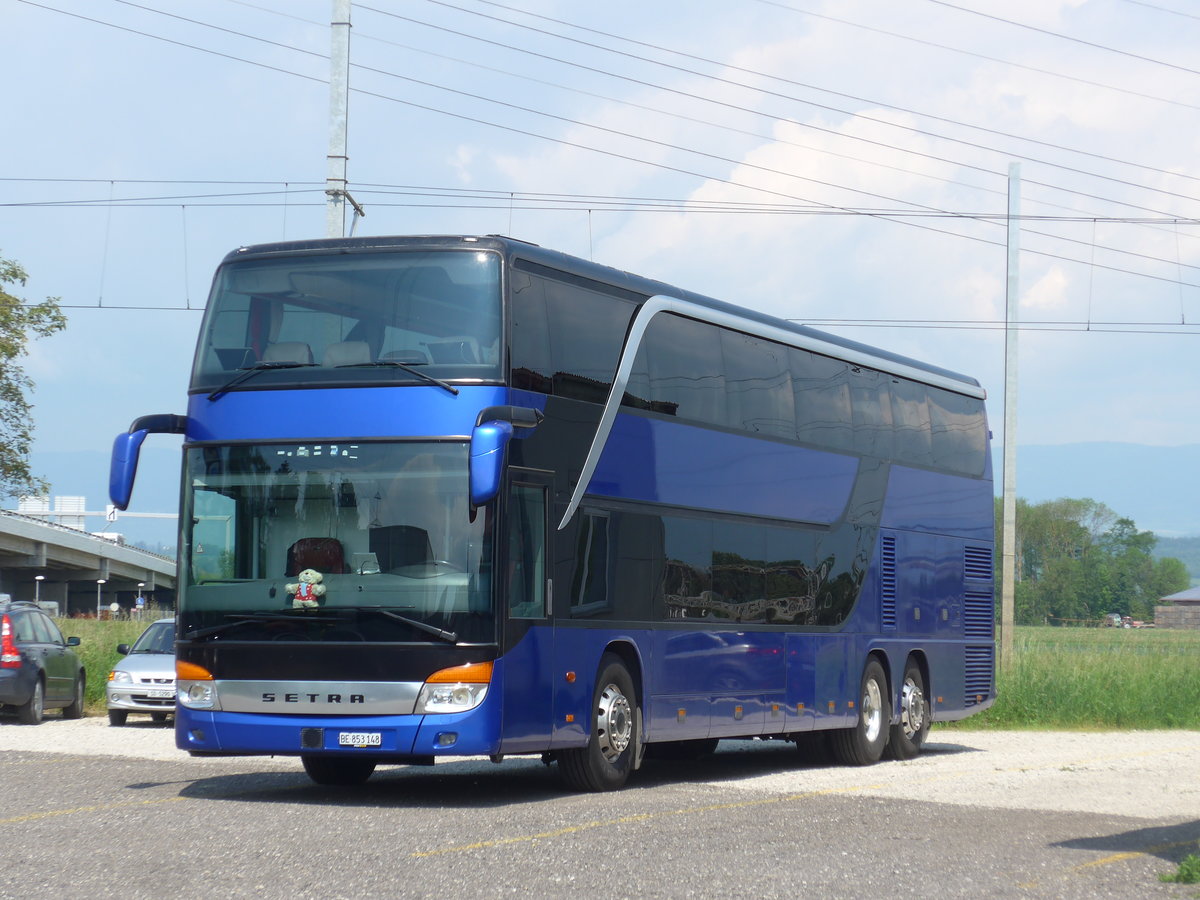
(50, 813)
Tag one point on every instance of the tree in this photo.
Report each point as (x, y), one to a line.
(1079, 560)
(19, 323)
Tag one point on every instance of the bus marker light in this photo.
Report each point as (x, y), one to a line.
(799, 707)
(681, 715)
(832, 706)
(737, 712)
(849, 704)
(774, 709)
(570, 678)
(570, 717)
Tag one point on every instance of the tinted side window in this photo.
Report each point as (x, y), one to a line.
(872, 412)
(822, 394)
(687, 582)
(758, 384)
(532, 369)
(685, 368)
(959, 432)
(589, 586)
(910, 413)
(46, 629)
(25, 628)
(566, 337)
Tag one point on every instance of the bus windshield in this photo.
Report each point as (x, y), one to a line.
(345, 319)
(349, 541)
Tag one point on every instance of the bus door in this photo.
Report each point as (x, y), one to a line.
(526, 594)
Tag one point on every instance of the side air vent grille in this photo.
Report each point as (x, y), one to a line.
(978, 686)
(979, 617)
(977, 563)
(887, 583)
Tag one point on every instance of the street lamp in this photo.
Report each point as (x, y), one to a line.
(100, 582)
(37, 588)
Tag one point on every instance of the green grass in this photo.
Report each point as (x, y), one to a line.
(98, 648)
(1098, 678)
(1188, 872)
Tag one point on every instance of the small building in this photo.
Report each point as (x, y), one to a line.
(1182, 610)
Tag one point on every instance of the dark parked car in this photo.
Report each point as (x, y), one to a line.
(39, 670)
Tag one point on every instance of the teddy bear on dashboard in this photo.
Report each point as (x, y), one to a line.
(307, 589)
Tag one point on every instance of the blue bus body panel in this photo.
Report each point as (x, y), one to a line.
(335, 415)
(918, 500)
(682, 465)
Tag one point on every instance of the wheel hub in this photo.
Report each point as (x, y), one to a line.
(614, 722)
(912, 709)
(872, 711)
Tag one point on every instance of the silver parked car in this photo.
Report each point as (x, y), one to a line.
(144, 681)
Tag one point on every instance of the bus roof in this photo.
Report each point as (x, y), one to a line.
(636, 284)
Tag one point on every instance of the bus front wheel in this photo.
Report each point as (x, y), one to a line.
(863, 744)
(605, 763)
(337, 771)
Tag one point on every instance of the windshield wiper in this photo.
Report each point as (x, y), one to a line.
(448, 636)
(248, 372)
(407, 367)
(243, 618)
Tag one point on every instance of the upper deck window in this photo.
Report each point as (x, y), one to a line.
(347, 318)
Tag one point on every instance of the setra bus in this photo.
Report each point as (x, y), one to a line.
(449, 496)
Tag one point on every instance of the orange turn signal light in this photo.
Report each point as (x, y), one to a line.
(186, 671)
(471, 673)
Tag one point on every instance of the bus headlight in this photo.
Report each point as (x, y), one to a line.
(450, 698)
(197, 694)
(454, 690)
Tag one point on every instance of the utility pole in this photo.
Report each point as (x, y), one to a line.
(339, 102)
(1008, 538)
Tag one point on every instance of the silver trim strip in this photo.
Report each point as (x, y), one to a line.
(661, 303)
(346, 698)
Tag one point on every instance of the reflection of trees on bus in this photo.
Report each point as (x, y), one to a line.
(745, 590)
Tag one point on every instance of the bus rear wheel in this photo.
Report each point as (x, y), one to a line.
(605, 763)
(908, 735)
(863, 744)
(337, 771)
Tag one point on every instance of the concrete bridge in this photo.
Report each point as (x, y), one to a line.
(80, 572)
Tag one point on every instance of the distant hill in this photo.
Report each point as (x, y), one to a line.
(1187, 550)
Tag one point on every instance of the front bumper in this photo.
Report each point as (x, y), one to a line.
(140, 697)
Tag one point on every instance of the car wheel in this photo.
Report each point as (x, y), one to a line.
(117, 717)
(74, 710)
(31, 713)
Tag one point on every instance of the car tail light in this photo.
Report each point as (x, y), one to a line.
(10, 656)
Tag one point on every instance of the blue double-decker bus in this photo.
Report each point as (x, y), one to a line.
(451, 496)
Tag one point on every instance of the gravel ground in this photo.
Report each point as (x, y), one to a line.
(1146, 774)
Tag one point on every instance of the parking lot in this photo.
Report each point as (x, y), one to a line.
(118, 811)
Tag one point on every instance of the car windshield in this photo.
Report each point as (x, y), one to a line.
(351, 318)
(362, 541)
(158, 638)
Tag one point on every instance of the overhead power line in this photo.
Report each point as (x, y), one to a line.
(1067, 37)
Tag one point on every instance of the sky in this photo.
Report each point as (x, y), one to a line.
(843, 163)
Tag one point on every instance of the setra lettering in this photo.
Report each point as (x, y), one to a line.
(273, 697)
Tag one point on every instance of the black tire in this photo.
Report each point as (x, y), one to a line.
(908, 735)
(863, 744)
(31, 712)
(338, 771)
(74, 709)
(159, 717)
(605, 763)
(117, 717)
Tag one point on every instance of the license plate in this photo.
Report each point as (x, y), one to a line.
(360, 738)
(160, 694)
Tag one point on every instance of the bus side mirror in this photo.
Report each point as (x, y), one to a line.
(128, 446)
(489, 439)
(488, 443)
